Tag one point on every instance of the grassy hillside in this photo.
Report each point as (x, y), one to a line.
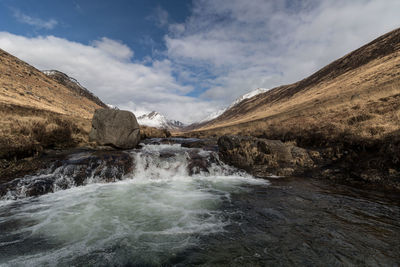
(37, 112)
(357, 96)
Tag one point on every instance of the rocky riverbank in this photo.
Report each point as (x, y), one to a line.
(374, 165)
(63, 169)
(260, 157)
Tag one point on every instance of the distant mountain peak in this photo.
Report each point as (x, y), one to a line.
(155, 119)
(234, 103)
(247, 96)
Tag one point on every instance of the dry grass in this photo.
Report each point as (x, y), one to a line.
(36, 112)
(361, 102)
(23, 85)
(27, 131)
(364, 119)
(151, 132)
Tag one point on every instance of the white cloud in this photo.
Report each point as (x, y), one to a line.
(37, 22)
(111, 75)
(224, 48)
(113, 48)
(248, 44)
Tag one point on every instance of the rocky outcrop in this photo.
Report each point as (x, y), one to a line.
(206, 144)
(263, 158)
(374, 165)
(73, 85)
(200, 162)
(118, 128)
(147, 132)
(69, 170)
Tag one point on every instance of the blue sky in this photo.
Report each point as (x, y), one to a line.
(187, 59)
(135, 23)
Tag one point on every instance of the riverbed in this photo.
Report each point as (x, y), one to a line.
(161, 214)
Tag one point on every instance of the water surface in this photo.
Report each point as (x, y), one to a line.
(160, 215)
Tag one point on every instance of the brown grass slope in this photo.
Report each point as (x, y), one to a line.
(358, 93)
(74, 86)
(37, 112)
(349, 111)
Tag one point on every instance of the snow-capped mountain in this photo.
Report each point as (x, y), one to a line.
(212, 115)
(234, 103)
(112, 106)
(247, 96)
(155, 119)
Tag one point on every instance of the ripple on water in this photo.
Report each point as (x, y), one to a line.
(146, 219)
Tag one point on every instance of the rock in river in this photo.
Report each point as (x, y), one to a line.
(262, 157)
(118, 128)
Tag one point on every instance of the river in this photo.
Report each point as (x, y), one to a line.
(161, 215)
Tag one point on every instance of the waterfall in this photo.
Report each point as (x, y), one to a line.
(168, 200)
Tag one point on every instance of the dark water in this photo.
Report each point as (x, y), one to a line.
(161, 215)
(304, 222)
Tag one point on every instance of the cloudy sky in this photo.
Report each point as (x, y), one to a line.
(187, 59)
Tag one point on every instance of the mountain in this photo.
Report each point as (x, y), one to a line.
(357, 94)
(347, 115)
(112, 106)
(247, 96)
(25, 86)
(73, 85)
(212, 116)
(40, 111)
(234, 103)
(155, 119)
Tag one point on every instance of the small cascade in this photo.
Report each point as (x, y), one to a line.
(153, 161)
(141, 207)
(77, 169)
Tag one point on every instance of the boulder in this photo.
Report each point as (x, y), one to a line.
(118, 128)
(263, 157)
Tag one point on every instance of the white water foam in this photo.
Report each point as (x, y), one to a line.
(157, 212)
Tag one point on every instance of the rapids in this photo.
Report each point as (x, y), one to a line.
(165, 213)
(154, 213)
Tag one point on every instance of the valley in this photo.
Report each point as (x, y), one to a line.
(298, 175)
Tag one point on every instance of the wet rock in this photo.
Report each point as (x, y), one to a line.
(206, 144)
(166, 155)
(200, 162)
(263, 157)
(118, 128)
(147, 132)
(73, 170)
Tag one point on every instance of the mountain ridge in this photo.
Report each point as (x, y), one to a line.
(218, 113)
(365, 65)
(157, 120)
(73, 84)
(37, 113)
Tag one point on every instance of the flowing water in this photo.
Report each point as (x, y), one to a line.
(164, 214)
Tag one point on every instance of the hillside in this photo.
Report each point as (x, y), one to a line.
(358, 93)
(38, 112)
(74, 86)
(347, 113)
(218, 113)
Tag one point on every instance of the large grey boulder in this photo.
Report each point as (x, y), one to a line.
(118, 128)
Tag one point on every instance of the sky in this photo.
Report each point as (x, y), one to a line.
(187, 59)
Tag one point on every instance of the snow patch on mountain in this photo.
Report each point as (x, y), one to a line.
(112, 106)
(55, 72)
(247, 96)
(234, 103)
(157, 120)
(212, 115)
